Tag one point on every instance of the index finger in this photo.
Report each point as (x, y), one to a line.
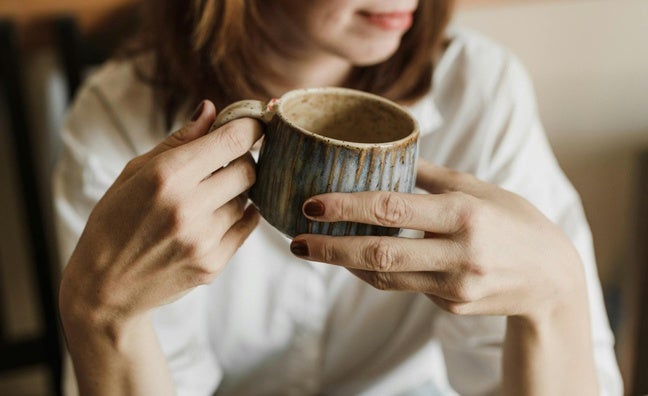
(438, 213)
(380, 254)
(205, 155)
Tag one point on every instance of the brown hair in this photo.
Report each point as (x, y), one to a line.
(203, 49)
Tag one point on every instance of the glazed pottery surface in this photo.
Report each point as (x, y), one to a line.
(328, 140)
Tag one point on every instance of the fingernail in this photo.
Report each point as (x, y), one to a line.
(299, 248)
(314, 208)
(198, 111)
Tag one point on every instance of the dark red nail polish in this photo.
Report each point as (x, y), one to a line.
(299, 248)
(314, 208)
(198, 111)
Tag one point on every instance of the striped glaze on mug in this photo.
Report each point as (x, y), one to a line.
(328, 140)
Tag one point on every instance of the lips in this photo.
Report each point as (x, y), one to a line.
(396, 20)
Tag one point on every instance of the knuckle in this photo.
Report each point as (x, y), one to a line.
(462, 292)
(186, 244)
(106, 296)
(179, 136)
(460, 179)
(381, 255)
(204, 278)
(178, 222)
(160, 175)
(237, 206)
(392, 209)
(181, 245)
(248, 172)
(197, 251)
(453, 307)
(464, 209)
(474, 261)
(329, 253)
(476, 268)
(205, 272)
(232, 140)
(381, 280)
(134, 164)
(341, 208)
(457, 308)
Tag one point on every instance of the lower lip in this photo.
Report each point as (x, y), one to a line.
(399, 21)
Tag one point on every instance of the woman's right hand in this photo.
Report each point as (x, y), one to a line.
(170, 222)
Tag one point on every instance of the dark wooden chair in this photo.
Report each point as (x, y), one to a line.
(46, 347)
(640, 376)
(77, 52)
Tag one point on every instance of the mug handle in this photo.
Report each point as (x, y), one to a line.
(245, 108)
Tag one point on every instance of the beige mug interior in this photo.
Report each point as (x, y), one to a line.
(342, 115)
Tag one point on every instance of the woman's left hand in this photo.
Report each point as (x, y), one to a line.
(485, 250)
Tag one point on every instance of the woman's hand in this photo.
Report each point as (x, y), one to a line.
(485, 251)
(170, 222)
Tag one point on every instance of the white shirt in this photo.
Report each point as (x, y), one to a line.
(274, 324)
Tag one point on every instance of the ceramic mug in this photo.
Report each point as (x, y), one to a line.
(324, 140)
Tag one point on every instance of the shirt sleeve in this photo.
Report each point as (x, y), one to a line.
(96, 147)
(510, 149)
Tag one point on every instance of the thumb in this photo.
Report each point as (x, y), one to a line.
(199, 124)
(438, 180)
(434, 179)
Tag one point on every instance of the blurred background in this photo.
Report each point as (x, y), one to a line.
(589, 63)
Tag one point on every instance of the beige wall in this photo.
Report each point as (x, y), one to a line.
(589, 63)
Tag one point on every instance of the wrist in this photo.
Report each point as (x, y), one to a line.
(563, 294)
(95, 325)
(551, 349)
(564, 311)
(114, 356)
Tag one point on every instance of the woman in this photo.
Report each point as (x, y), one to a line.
(499, 294)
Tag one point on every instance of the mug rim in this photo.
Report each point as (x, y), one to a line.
(277, 107)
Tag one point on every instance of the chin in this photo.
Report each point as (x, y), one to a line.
(374, 54)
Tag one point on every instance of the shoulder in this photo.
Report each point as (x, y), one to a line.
(114, 75)
(487, 103)
(481, 67)
(124, 83)
(474, 47)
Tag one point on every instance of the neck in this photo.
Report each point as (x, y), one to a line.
(308, 72)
